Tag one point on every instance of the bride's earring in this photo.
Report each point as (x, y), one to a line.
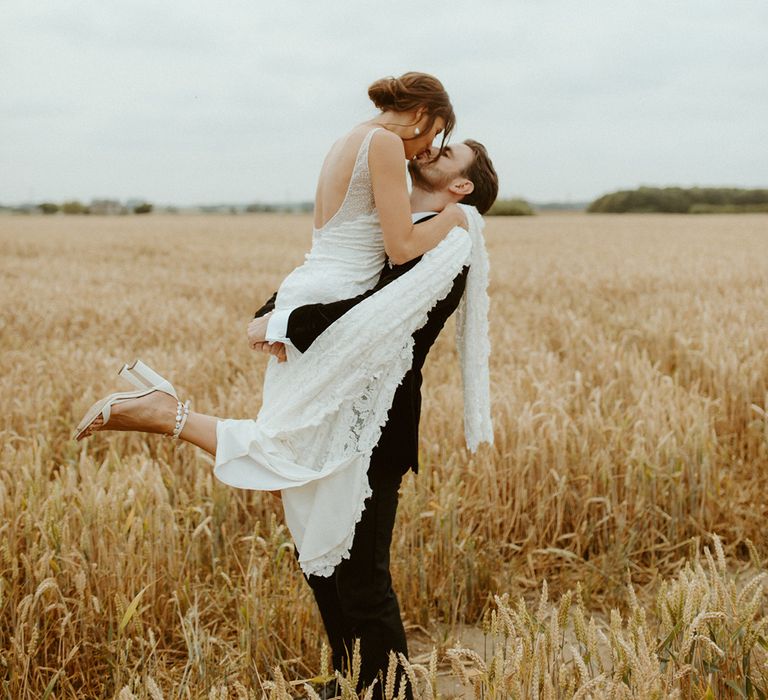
(417, 131)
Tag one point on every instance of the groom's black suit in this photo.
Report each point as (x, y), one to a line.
(358, 600)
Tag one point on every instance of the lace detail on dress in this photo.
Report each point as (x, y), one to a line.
(358, 200)
(347, 253)
(323, 410)
(474, 346)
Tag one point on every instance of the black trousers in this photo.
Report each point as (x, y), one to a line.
(357, 600)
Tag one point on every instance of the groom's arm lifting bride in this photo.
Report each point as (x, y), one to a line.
(464, 173)
(358, 601)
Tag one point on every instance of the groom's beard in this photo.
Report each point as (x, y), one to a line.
(424, 177)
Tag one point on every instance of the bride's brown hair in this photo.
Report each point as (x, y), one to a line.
(411, 91)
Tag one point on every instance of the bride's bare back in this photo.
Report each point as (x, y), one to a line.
(382, 159)
(336, 175)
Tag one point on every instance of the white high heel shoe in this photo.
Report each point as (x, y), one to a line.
(144, 377)
(147, 380)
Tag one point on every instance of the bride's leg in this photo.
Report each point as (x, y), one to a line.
(200, 430)
(156, 413)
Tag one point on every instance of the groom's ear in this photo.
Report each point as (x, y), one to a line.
(462, 187)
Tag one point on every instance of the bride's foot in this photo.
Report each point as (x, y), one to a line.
(148, 410)
(151, 413)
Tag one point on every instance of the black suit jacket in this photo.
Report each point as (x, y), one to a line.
(398, 447)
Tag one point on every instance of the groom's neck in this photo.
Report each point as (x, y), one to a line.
(421, 200)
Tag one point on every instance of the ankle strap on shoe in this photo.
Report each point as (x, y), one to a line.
(182, 412)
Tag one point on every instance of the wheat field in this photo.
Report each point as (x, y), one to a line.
(630, 389)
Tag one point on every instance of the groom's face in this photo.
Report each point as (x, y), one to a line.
(440, 174)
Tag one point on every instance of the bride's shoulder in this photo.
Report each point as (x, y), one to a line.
(353, 138)
(385, 137)
(385, 144)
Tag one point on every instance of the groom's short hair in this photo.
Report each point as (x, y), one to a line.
(483, 176)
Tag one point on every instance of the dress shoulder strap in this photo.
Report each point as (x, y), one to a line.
(359, 198)
(361, 162)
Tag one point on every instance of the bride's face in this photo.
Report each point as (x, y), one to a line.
(416, 147)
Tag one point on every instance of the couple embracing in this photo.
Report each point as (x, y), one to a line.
(348, 333)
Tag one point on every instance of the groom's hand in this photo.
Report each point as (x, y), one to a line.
(257, 338)
(257, 330)
(276, 349)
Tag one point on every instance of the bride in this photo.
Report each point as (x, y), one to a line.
(323, 409)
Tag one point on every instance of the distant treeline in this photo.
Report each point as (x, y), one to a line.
(97, 206)
(679, 200)
(560, 206)
(284, 208)
(510, 207)
(115, 207)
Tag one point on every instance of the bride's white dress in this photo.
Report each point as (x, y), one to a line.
(323, 409)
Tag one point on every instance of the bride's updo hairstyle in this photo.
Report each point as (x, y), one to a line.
(411, 91)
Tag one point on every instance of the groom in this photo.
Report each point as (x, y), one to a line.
(357, 600)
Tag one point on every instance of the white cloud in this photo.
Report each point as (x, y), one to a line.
(239, 101)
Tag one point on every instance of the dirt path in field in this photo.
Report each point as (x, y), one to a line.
(420, 645)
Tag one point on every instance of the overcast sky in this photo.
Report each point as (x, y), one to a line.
(182, 101)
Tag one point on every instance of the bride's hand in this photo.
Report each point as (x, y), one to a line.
(458, 213)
